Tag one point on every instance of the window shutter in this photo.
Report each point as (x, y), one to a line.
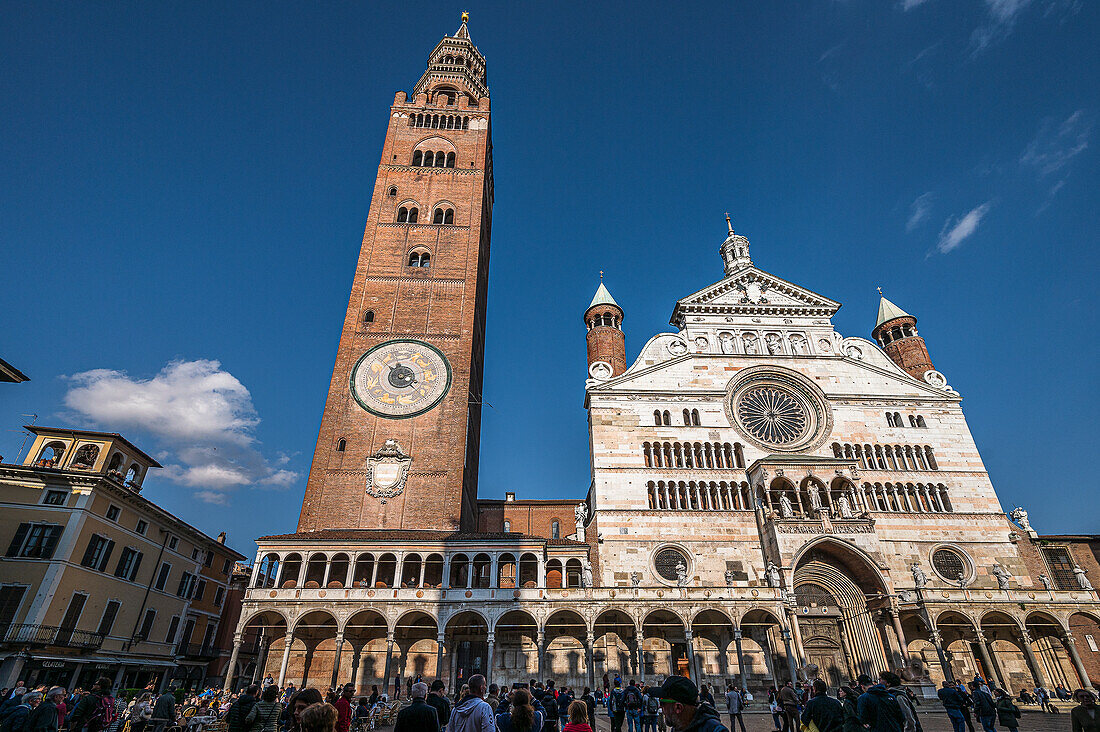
(17, 541)
(134, 569)
(106, 556)
(120, 568)
(89, 553)
(53, 536)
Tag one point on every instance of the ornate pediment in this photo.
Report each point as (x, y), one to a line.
(752, 291)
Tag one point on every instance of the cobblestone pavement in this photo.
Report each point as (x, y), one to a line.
(932, 721)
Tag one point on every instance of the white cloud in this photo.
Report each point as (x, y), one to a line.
(201, 415)
(1003, 15)
(955, 233)
(910, 4)
(1056, 145)
(919, 210)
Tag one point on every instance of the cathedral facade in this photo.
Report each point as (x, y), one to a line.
(770, 499)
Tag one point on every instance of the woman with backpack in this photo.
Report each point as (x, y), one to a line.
(264, 715)
(1008, 714)
(95, 712)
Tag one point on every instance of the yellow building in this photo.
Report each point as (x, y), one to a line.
(98, 580)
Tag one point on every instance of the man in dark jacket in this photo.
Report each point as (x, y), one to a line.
(954, 703)
(877, 708)
(893, 684)
(17, 717)
(238, 710)
(788, 704)
(1086, 716)
(823, 710)
(681, 707)
(985, 709)
(419, 716)
(438, 700)
(164, 712)
(43, 718)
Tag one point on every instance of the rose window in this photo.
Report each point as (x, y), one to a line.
(772, 415)
(666, 563)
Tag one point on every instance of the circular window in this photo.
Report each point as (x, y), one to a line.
(949, 564)
(668, 563)
(772, 414)
(778, 409)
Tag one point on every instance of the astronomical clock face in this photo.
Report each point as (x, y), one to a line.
(400, 378)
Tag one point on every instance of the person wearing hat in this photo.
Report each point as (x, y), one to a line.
(681, 708)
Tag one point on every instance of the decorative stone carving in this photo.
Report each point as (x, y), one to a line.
(854, 352)
(750, 342)
(677, 348)
(600, 371)
(772, 574)
(825, 346)
(681, 574)
(1048, 584)
(1019, 515)
(1002, 576)
(1082, 580)
(701, 344)
(920, 579)
(725, 342)
(729, 578)
(387, 471)
(635, 579)
(798, 345)
(775, 346)
(786, 510)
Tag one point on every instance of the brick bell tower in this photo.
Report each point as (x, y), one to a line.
(606, 341)
(896, 333)
(400, 433)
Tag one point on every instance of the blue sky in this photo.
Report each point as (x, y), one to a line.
(183, 189)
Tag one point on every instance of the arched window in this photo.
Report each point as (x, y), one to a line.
(666, 419)
(695, 417)
(555, 529)
(429, 158)
(402, 215)
(437, 217)
(687, 418)
(440, 159)
(507, 526)
(414, 259)
(921, 422)
(115, 464)
(393, 190)
(449, 216)
(418, 158)
(341, 445)
(450, 160)
(912, 421)
(465, 123)
(413, 214)
(425, 259)
(897, 420)
(368, 317)
(657, 417)
(889, 420)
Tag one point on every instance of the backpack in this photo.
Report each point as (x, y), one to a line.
(615, 701)
(653, 705)
(103, 714)
(632, 698)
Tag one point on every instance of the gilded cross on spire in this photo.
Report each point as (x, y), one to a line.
(879, 290)
(601, 275)
(465, 17)
(729, 224)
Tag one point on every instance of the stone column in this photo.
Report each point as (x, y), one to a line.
(541, 651)
(356, 666)
(255, 572)
(262, 647)
(693, 673)
(792, 664)
(491, 641)
(302, 570)
(740, 656)
(389, 663)
(286, 657)
(590, 658)
(494, 573)
(440, 642)
(423, 567)
(328, 572)
(374, 572)
(399, 572)
(542, 572)
(987, 659)
(1071, 647)
(445, 580)
(1032, 662)
(278, 574)
(895, 617)
(234, 654)
(846, 646)
(336, 659)
(796, 632)
(945, 665)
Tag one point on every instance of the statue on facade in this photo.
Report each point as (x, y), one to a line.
(815, 498)
(1002, 576)
(774, 345)
(772, 573)
(1082, 580)
(750, 343)
(798, 345)
(786, 510)
(635, 579)
(961, 580)
(1019, 515)
(681, 573)
(586, 574)
(581, 512)
(1048, 585)
(920, 579)
(729, 578)
(725, 340)
(844, 507)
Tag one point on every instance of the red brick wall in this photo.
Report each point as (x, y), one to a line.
(443, 305)
(606, 343)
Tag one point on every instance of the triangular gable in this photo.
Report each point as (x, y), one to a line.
(753, 290)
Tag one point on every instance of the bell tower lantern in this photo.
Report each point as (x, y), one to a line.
(896, 332)
(606, 342)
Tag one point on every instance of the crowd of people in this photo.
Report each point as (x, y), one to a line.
(867, 705)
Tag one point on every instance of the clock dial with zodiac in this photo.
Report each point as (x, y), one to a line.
(400, 378)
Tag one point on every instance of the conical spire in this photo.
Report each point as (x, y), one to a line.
(888, 311)
(463, 32)
(602, 297)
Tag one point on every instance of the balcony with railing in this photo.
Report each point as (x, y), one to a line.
(25, 634)
(198, 652)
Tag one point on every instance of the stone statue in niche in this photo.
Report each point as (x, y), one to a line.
(772, 573)
(750, 343)
(843, 507)
(798, 345)
(701, 343)
(774, 345)
(825, 346)
(1048, 585)
(725, 340)
(815, 498)
(786, 510)
(920, 579)
(1082, 580)
(586, 574)
(1002, 576)
(635, 579)
(729, 578)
